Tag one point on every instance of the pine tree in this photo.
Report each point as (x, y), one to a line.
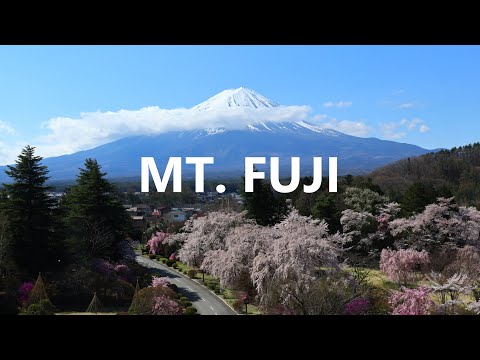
(262, 204)
(31, 214)
(95, 218)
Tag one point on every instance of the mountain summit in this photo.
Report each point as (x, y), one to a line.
(233, 98)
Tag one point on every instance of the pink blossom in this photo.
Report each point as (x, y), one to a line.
(411, 301)
(24, 292)
(162, 305)
(156, 240)
(357, 306)
(123, 271)
(160, 281)
(401, 265)
(172, 257)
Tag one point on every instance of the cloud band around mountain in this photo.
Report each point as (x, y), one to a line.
(68, 135)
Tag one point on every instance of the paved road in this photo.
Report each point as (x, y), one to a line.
(204, 300)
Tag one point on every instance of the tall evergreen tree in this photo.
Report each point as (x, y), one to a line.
(31, 213)
(94, 217)
(262, 204)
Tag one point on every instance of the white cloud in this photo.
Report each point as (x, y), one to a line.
(355, 128)
(319, 117)
(5, 128)
(408, 105)
(411, 124)
(390, 131)
(398, 92)
(424, 129)
(339, 104)
(69, 135)
(397, 130)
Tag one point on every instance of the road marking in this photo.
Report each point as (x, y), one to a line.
(202, 298)
(212, 309)
(188, 287)
(215, 313)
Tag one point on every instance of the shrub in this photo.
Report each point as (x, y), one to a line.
(357, 306)
(183, 299)
(174, 265)
(187, 303)
(190, 310)
(44, 307)
(378, 300)
(152, 256)
(144, 301)
(217, 290)
(169, 263)
(239, 306)
(211, 286)
(192, 273)
(24, 292)
(163, 305)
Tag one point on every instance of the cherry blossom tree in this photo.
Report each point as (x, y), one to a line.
(411, 301)
(162, 305)
(289, 257)
(156, 241)
(450, 289)
(402, 265)
(208, 233)
(367, 233)
(441, 224)
(160, 281)
(233, 265)
(363, 200)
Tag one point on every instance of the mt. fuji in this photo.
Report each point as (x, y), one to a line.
(263, 135)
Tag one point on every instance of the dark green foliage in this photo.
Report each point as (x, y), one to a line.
(192, 273)
(263, 205)
(190, 310)
(152, 256)
(169, 262)
(142, 303)
(420, 195)
(44, 307)
(32, 215)
(95, 218)
(329, 207)
(456, 171)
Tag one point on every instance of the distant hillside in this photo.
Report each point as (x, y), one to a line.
(458, 169)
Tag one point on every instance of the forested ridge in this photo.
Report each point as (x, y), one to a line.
(457, 169)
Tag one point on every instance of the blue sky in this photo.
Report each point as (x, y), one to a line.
(425, 95)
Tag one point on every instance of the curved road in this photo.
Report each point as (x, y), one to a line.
(205, 301)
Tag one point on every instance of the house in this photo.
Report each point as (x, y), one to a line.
(176, 216)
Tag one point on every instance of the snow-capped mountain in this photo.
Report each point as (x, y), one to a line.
(231, 98)
(229, 147)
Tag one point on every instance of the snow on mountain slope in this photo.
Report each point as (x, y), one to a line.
(231, 98)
